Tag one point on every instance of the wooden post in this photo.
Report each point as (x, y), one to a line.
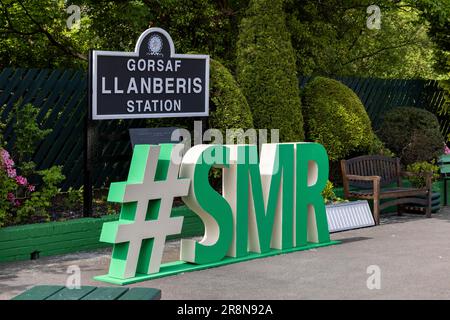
(88, 147)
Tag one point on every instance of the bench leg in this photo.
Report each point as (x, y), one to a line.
(400, 209)
(445, 191)
(376, 211)
(428, 209)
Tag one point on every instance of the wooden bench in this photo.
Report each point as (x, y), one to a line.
(369, 177)
(47, 292)
(444, 165)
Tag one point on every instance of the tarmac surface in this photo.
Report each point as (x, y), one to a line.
(405, 257)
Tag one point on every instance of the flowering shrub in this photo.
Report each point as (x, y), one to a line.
(446, 149)
(14, 188)
(20, 200)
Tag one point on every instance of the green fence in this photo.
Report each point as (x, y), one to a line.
(61, 97)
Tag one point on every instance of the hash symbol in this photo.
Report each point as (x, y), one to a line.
(147, 196)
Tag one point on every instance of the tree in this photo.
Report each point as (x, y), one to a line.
(332, 38)
(335, 117)
(266, 70)
(35, 34)
(437, 14)
(230, 108)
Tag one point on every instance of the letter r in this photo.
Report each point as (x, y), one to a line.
(311, 177)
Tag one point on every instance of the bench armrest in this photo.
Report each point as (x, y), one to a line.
(362, 178)
(375, 182)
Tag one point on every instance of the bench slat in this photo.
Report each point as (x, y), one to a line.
(142, 294)
(105, 293)
(41, 292)
(72, 294)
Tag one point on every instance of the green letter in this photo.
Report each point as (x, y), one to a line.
(311, 176)
(211, 207)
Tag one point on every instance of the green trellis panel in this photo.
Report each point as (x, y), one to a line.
(61, 97)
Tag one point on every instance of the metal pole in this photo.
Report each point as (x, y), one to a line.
(88, 152)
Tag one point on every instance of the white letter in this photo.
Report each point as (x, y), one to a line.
(160, 65)
(157, 85)
(131, 65)
(130, 106)
(104, 91)
(132, 86)
(169, 66)
(169, 84)
(116, 86)
(177, 64)
(181, 84)
(197, 85)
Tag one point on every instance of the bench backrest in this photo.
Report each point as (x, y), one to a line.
(387, 168)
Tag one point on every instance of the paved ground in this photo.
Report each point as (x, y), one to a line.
(412, 253)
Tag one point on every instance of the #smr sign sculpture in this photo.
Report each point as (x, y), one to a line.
(269, 205)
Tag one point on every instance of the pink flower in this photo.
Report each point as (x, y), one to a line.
(10, 197)
(6, 159)
(22, 181)
(12, 173)
(446, 150)
(31, 188)
(17, 203)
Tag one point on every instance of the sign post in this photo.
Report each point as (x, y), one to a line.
(153, 81)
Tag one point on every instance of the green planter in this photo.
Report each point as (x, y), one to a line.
(52, 238)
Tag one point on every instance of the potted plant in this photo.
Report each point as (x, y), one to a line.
(418, 181)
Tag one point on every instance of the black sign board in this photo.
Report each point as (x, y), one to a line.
(151, 135)
(151, 82)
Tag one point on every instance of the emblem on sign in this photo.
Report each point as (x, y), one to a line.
(155, 45)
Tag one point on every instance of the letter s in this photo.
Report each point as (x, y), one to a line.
(210, 206)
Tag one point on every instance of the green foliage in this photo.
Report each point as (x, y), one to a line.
(378, 148)
(40, 201)
(335, 117)
(73, 197)
(7, 186)
(37, 36)
(27, 130)
(445, 107)
(331, 38)
(266, 70)
(230, 108)
(413, 134)
(329, 197)
(421, 168)
(328, 193)
(26, 194)
(436, 13)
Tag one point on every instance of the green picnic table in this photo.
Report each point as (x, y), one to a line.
(50, 292)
